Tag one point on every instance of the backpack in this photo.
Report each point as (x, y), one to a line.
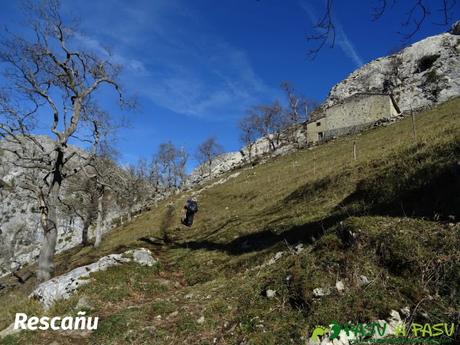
(192, 206)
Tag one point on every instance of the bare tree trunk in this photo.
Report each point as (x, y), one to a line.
(49, 225)
(250, 146)
(84, 232)
(98, 239)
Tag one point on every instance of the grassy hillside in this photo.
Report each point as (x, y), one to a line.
(400, 197)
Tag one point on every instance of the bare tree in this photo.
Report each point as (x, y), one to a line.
(416, 13)
(105, 177)
(298, 110)
(309, 105)
(154, 175)
(294, 102)
(270, 121)
(133, 188)
(86, 194)
(49, 74)
(81, 201)
(392, 74)
(207, 153)
(171, 162)
(299, 107)
(248, 131)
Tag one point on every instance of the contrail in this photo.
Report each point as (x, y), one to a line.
(341, 37)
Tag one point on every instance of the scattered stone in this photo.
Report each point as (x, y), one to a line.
(340, 286)
(274, 259)
(299, 248)
(405, 311)
(363, 280)
(320, 292)
(200, 320)
(143, 257)
(394, 316)
(270, 293)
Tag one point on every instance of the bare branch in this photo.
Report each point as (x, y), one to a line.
(326, 31)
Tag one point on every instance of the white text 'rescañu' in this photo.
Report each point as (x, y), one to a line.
(33, 323)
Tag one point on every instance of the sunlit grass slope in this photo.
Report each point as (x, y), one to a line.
(400, 197)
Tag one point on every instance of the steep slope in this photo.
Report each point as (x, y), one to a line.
(384, 227)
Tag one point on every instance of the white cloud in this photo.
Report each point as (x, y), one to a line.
(174, 60)
(225, 85)
(131, 64)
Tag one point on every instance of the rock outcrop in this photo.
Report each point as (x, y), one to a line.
(421, 75)
(62, 287)
(455, 30)
(20, 229)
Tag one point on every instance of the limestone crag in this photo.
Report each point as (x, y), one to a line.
(421, 75)
(20, 229)
(64, 286)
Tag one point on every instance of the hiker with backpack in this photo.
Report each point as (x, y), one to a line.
(190, 207)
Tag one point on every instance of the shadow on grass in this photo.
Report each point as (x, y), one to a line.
(306, 233)
(419, 182)
(432, 191)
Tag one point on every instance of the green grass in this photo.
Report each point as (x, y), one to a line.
(398, 197)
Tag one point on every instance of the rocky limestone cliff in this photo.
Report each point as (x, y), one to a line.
(20, 229)
(421, 75)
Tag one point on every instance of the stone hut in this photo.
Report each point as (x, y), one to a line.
(356, 112)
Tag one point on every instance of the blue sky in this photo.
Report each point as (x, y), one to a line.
(196, 66)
